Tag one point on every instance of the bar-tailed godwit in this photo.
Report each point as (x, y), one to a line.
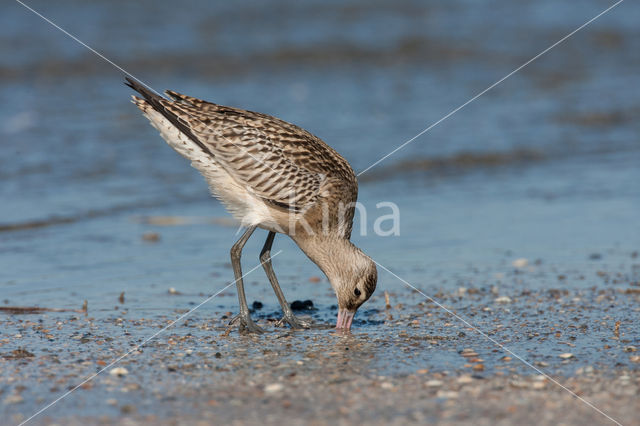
(273, 175)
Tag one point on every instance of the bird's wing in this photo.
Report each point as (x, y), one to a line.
(275, 160)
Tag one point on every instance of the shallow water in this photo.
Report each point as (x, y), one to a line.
(544, 167)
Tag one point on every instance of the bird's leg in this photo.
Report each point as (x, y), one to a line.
(265, 259)
(244, 318)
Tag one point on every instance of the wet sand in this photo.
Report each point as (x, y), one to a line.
(409, 362)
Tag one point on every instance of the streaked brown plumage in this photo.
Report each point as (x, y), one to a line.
(273, 175)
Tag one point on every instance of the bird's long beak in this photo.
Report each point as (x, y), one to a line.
(345, 318)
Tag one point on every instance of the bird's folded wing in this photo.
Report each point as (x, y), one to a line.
(259, 153)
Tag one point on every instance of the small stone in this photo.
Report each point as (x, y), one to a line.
(538, 385)
(434, 383)
(566, 355)
(634, 358)
(173, 291)
(630, 349)
(478, 367)
(386, 385)
(465, 379)
(520, 263)
(151, 237)
(13, 399)
(468, 353)
(273, 388)
(128, 409)
(256, 306)
(503, 299)
(119, 371)
(447, 394)
(19, 354)
(298, 305)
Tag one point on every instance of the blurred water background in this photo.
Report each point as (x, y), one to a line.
(544, 167)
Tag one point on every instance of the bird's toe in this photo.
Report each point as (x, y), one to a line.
(245, 325)
(294, 322)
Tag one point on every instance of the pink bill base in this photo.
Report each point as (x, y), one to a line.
(345, 318)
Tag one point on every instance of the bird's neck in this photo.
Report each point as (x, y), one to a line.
(335, 256)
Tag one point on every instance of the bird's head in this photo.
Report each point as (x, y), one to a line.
(352, 273)
(354, 286)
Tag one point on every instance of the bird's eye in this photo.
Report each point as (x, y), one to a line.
(356, 291)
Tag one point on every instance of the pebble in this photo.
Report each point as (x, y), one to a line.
(151, 237)
(386, 385)
(128, 409)
(447, 394)
(13, 399)
(538, 385)
(520, 263)
(503, 299)
(468, 353)
(119, 371)
(299, 305)
(566, 355)
(434, 383)
(273, 388)
(465, 379)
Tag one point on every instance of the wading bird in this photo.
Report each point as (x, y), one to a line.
(273, 175)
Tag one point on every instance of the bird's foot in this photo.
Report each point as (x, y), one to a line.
(245, 325)
(294, 322)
